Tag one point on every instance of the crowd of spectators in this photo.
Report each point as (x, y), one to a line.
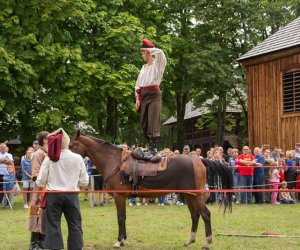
(262, 169)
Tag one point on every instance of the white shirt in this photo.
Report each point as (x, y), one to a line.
(67, 174)
(151, 74)
(274, 175)
(3, 166)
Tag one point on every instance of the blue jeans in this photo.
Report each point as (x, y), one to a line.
(246, 182)
(133, 200)
(161, 200)
(258, 180)
(236, 183)
(284, 201)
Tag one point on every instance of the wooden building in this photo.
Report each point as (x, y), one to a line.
(273, 89)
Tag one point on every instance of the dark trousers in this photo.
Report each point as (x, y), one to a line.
(258, 180)
(69, 205)
(150, 113)
(1, 188)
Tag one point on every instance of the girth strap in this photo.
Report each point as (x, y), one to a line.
(135, 175)
(115, 170)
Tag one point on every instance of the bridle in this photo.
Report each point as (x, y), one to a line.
(74, 146)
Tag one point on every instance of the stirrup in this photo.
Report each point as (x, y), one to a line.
(156, 158)
(149, 155)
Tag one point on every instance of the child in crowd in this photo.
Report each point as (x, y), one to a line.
(285, 197)
(97, 184)
(28, 184)
(9, 180)
(274, 182)
(269, 161)
(281, 163)
(289, 175)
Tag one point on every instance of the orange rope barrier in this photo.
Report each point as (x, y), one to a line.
(161, 191)
(17, 167)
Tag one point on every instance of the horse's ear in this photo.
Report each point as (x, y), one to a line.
(77, 133)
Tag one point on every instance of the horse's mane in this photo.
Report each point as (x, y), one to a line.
(100, 141)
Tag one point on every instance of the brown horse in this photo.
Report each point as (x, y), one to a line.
(107, 159)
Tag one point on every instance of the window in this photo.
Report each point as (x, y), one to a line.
(291, 92)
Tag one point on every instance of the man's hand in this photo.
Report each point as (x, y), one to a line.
(137, 103)
(6, 161)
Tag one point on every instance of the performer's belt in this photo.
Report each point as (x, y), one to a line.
(148, 88)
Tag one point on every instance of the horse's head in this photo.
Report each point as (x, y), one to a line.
(76, 146)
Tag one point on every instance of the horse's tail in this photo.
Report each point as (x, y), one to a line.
(216, 169)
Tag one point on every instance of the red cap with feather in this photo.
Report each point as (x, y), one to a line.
(147, 43)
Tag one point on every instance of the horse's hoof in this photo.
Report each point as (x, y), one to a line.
(118, 244)
(209, 239)
(188, 243)
(205, 248)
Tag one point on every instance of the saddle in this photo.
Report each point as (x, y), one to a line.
(136, 168)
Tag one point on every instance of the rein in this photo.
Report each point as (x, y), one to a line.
(116, 169)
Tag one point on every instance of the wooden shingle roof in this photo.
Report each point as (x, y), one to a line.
(286, 37)
(192, 112)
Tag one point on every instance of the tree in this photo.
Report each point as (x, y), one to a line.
(38, 58)
(226, 30)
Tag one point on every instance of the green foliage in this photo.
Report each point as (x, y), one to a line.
(230, 123)
(207, 121)
(61, 61)
(100, 227)
(210, 121)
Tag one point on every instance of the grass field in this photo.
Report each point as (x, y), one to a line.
(168, 227)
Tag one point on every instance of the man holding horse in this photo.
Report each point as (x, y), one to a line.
(148, 94)
(62, 171)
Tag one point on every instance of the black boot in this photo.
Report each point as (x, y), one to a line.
(34, 239)
(152, 152)
(41, 240)
(152, 149)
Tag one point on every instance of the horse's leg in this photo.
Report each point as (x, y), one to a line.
(121, 213)
(205, 214)
(193, 207)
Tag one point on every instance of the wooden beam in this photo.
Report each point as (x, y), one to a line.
(270, 56)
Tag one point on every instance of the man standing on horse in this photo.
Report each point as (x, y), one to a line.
(148, 94)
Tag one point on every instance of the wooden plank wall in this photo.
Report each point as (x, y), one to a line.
(266, 122)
